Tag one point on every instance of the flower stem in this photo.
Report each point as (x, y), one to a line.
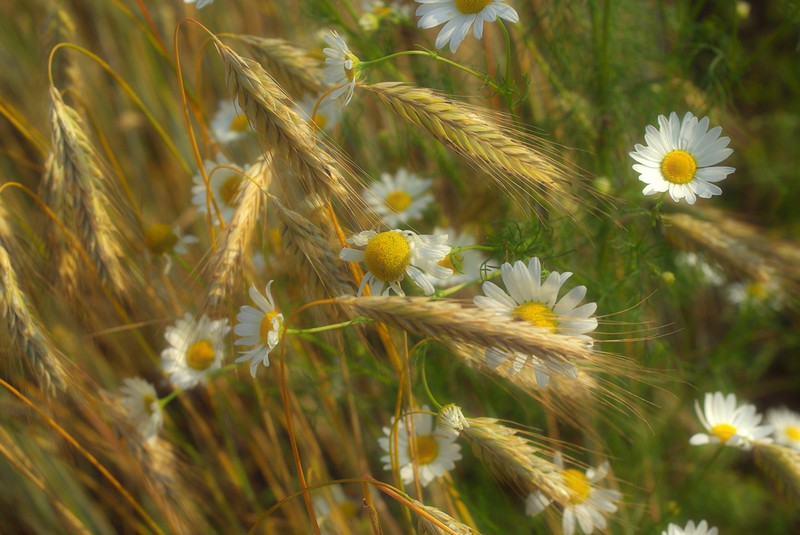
(355, 321)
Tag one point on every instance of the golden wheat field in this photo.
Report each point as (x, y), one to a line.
(399, 267)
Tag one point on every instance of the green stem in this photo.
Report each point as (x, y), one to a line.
(425, 384)
(355, 321)
(474, 248)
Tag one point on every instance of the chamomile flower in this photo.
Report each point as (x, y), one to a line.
(161, 240)
(787, 427)
(534, 301)
(259, 327)
(466, 265)
(195, 349)
(342, 66)
(229, 124)
(399, 198)
(728, 424)
(755, 294)
(390, 256)
(436, 450)
(328, 113)
(140, 401)
(690, 529)
(225, 186)
(459, 16)
(682, 157)
(588, 503)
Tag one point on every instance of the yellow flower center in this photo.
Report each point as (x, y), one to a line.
(398, 200)
(579, 486)
(239, 123)
(229, 189)
(793, 433)
(678, 167)
(447, 262)
(427, 449)
(538, 314)
(200, 355)
(350, 67)
(159, 239)
(266, 325)
(757, 290)
(723, 432)
(148, 401)
(387, 256)
(470, 7)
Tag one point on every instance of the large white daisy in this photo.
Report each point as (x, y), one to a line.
(534, 301)
(140, 401)
(195, 349)
(259, 327)
(681, 158)
(341, 66)
(459, 16)
(399, 198)
(588, 503)
(787, 426)
(390, 256)
(728, 424)
(436, 449)
(225, 187)
(690, 529)
(229, 123)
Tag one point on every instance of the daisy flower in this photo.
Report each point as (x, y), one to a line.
(161, 240)
(342, 66)
(459, 16)
(469, 262)
(328, 113)
(259, 327)
(229, 124)
(690, 529)
(755, 294)
(681, 158)
(140, 401)
(588, 503)
(728, 424)
(225, 185)
(390, 256)
(787, 427)
(534, 301)
(195, 349)
(399, 198)
(436, 449)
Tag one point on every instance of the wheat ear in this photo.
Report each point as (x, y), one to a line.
(426, 527)
(781, 465)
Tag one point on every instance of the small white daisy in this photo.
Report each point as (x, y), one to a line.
(787, 427)
(469, 262)
(342, 66)
(225, 186)
(728, 424)
(259, 327)
(681, 158)
(390, 256)
(195, 349)
(140, 401)
(459, 16)
(690, 529)
(328, 113)
(756, 294)
(588, 503)
(399, 198)
(161, 240)
(534, 301)
(229, 123)
(199, 4)
(436, 449)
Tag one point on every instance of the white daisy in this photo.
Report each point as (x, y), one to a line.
(755, 294)
(328, 113)
(140, 401)
(690, 529)
(390, 256)
(399, 198)
(681, 158)
(459, 16)
(225, 186)
(728, 424)
(195, 349)
(787, 427)
(342, 66)
(588, 503)
(229, 124)
(534, 301)
(436, 449)
(469, 262)
(161, 240)
(259, 327)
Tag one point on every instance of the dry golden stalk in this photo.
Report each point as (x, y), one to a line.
(234, 243)
(59, 27)
(78, 172)
(291, 66)
(28, 338)
(781, 465)
(457, 321)
(426, 527)
(515, 166)
(287, 134)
